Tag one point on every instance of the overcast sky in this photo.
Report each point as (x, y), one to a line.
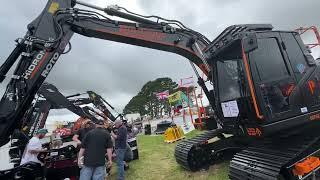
(118, 71)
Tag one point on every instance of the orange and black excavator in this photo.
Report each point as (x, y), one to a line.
(265, 84)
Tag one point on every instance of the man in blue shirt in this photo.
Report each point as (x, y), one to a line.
(120, 146)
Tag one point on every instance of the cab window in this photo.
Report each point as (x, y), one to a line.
(269, 61)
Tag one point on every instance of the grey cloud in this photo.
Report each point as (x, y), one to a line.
(213, 16)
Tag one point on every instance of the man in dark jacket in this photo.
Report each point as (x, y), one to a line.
(93, 148)
(120, 146)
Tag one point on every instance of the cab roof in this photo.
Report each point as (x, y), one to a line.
(232, 34)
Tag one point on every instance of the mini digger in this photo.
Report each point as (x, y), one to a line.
(60, 161)
(265, 84)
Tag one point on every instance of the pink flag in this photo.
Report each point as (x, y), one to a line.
(163, 95)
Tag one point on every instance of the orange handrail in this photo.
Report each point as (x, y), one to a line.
(251, 87)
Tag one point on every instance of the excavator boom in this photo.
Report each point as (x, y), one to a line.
(49, 34)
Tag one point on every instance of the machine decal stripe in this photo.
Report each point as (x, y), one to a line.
(39, 64)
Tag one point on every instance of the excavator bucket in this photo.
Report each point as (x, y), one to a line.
(173, 134)
(163, 126)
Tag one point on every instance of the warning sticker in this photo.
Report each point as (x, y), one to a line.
(230, 109)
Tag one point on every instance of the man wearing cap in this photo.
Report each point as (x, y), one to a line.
(120, 146)
(93, 148)
(33, 148)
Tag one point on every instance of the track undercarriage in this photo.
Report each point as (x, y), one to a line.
(266, 159)
(275, 158)
(204, 149)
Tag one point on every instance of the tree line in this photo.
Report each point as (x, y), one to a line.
(146, 101)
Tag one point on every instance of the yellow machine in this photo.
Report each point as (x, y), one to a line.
(173, 134)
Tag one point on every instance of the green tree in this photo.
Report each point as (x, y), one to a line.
(146, 102)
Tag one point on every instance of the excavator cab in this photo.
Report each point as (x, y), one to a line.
(264, 80)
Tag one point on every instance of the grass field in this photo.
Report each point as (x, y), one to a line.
(157, 162)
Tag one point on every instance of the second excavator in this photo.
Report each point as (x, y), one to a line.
(50, 98)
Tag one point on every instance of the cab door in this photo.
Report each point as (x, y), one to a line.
(304, 69)
(274, 81)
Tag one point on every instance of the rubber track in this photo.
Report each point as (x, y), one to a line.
(185, 149)
(265, 161)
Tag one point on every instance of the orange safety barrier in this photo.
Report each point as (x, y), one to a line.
(306, 166)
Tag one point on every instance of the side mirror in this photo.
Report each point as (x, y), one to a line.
(250, 42)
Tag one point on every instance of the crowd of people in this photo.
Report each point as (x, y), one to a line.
(97, 145)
